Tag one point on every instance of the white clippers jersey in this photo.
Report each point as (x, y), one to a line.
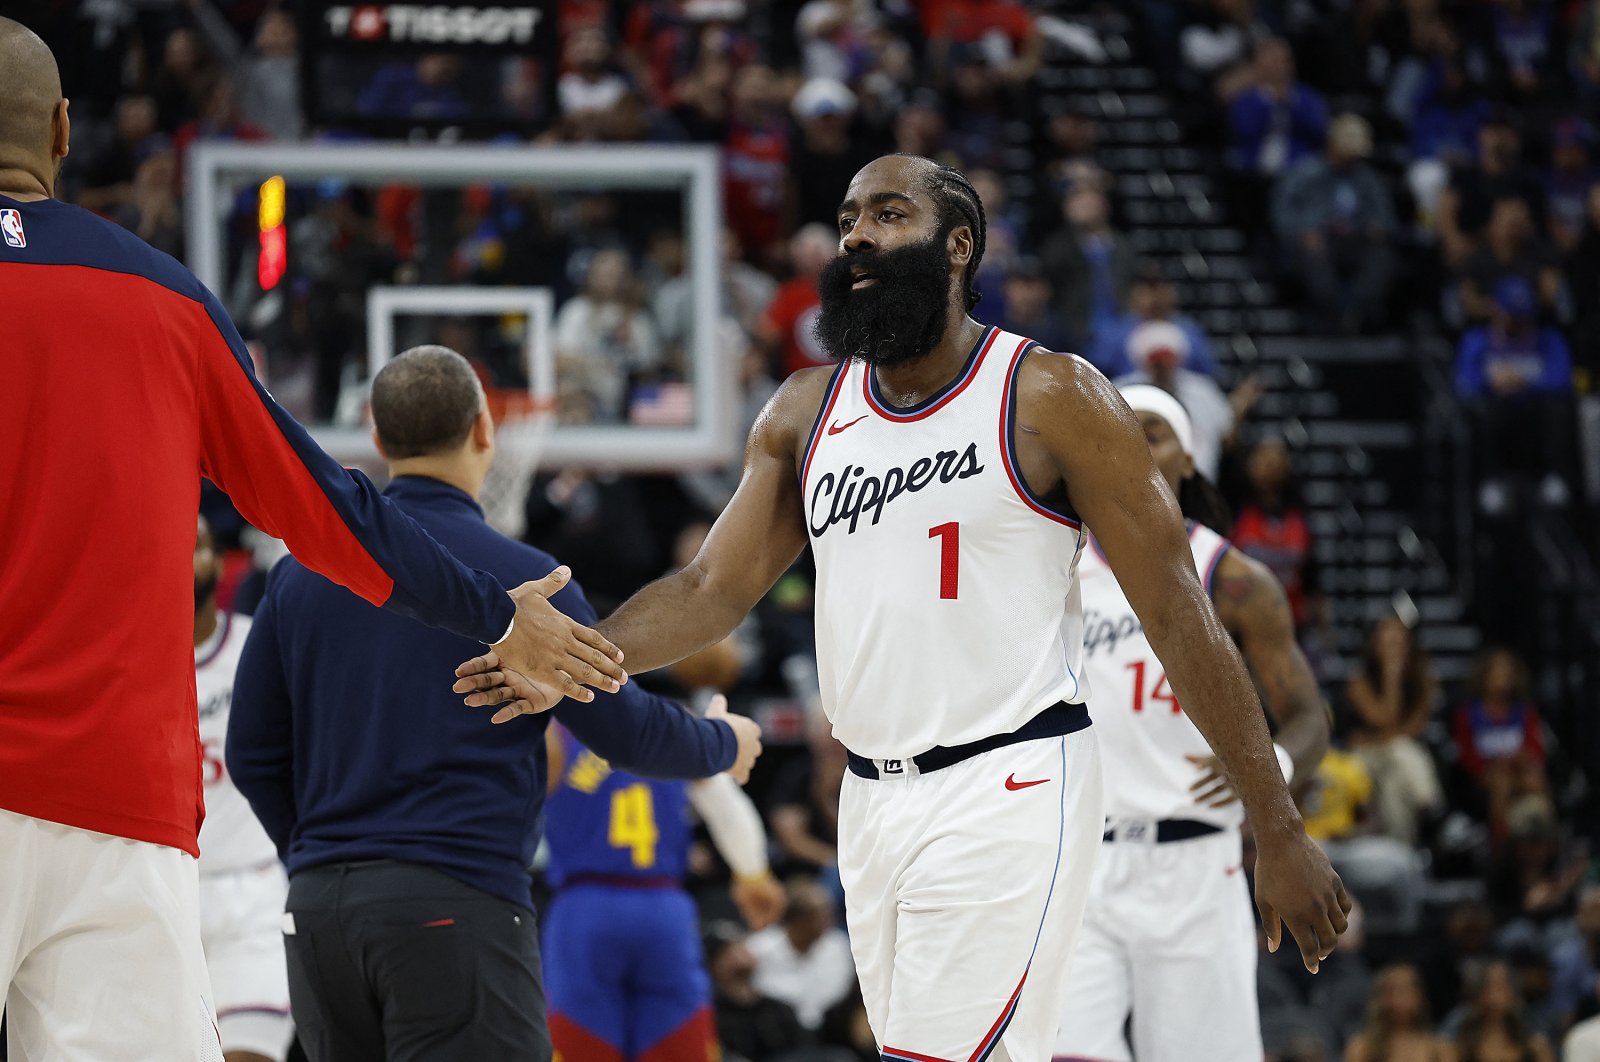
(230, 838)
(1143, 734)
(947, 597)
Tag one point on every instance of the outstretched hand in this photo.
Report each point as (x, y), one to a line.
(1295, 882)
(546, 657)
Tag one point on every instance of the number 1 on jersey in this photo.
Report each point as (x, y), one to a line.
(949, 536)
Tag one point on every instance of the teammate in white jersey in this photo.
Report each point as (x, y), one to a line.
(242, 884)
(1172, 818)
(940, 472)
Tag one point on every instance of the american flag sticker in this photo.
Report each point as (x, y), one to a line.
(665, 405)
(11, 228)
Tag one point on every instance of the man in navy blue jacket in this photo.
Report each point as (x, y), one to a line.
(407, 823)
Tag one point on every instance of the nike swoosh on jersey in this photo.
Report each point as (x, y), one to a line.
(835, 428)
(1013, 785)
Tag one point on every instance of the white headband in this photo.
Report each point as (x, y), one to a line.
(1147, 398)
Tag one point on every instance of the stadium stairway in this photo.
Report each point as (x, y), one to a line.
(1369, 471)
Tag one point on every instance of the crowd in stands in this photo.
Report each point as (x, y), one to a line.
(1365, 142)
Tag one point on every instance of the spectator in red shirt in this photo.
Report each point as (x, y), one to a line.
(100, 759)
(1272, 528)
(755, 160)
(1005, 29)
(1498, 725)
(1499, 735)
(786, 330)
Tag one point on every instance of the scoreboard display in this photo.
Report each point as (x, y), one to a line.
(393, 69)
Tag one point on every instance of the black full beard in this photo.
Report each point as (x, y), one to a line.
(899, 318)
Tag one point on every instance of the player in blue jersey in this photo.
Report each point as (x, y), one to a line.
(624, 974)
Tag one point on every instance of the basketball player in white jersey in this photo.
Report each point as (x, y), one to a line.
(242, 884)
(1172, 840)
(940, 472)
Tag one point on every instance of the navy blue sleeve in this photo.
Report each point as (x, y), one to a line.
(259, 750)
(639, 731)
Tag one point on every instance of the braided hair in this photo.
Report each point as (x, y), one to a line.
(959, 204)
(1201, 501)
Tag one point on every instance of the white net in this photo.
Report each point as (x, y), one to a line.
(522, 429)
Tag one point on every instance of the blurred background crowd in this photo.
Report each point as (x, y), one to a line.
(1359, 239)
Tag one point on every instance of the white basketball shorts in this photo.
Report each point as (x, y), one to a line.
(100, 946)
(964, 889)
(241, 926)
(1169, 936)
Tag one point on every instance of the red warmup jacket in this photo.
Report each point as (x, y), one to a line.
(122, 383)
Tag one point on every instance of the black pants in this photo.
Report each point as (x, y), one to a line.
(395, 962)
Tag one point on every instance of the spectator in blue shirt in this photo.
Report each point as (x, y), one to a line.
(1513, 355)
(1151, 298)
(1576, 959)
(1448, 115)
(1521, 46)
(1567, 183)
(1517, 376)
(407, 823)
(1278, 120)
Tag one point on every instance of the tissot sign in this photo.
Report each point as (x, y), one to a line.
(432, 24)
(389, 69)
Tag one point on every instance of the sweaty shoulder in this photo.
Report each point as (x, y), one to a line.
(786, 422)
(1053, 387)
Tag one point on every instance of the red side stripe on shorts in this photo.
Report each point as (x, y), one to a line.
(898, 1054)
(986, 1048)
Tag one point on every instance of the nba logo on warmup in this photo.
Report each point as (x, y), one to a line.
(11, 225)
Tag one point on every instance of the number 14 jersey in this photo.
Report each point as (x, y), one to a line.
(1144, 733)
(947, 597)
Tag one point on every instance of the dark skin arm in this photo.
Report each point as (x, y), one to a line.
(1253, 607)
(1074, 429)
(754, 541)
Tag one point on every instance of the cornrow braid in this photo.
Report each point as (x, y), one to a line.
(959, 203)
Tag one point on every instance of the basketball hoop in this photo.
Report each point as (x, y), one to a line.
(523, 423)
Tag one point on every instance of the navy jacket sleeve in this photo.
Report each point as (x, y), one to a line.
(333, 519)
(639, 731)
(259, 749)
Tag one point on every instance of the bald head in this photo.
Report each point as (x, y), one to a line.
(33, 133)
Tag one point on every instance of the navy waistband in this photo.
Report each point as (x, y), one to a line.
(1168, 830)
(1057, 720)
